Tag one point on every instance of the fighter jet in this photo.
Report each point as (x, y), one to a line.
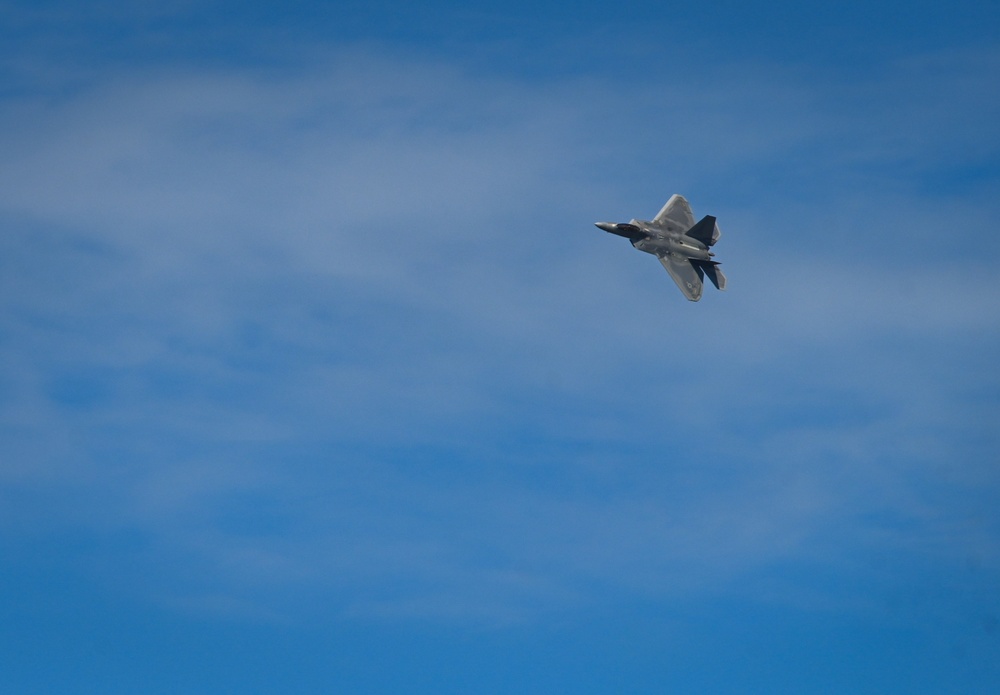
(681, 245)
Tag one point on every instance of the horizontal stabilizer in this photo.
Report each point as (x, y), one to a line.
(713, 271)
(704, 231)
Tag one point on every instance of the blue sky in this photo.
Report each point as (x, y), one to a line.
(315, 375)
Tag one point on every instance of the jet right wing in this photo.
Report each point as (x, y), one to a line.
(687, 276)
(678, 211)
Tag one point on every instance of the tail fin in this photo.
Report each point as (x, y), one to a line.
(704, 231)
(713, 271)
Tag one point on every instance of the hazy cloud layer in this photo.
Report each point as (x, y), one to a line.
(349, 335)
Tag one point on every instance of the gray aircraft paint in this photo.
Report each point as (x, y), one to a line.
(681, 245)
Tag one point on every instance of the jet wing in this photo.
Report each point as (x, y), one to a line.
(678, 211)
(685, 274)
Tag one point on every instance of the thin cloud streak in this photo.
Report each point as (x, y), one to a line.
(341, 297)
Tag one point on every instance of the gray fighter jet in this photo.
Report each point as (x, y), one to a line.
(681, 245)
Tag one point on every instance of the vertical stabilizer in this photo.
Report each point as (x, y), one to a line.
(704, 231)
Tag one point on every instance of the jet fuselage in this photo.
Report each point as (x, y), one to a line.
(659, 240)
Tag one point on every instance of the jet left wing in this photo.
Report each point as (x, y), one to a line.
(687, 276)
(678, 211)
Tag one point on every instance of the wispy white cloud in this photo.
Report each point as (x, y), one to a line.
(349, 332)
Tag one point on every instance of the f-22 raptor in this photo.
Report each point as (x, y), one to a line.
(681, 245)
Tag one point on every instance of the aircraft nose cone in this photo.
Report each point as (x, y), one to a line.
(606, 226)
